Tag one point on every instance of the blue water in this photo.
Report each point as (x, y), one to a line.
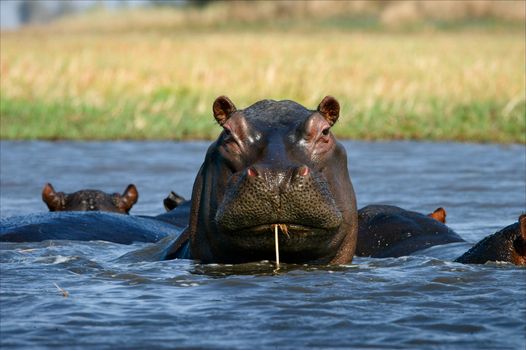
(415, 302)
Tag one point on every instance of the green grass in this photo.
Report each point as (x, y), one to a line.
(478, 122)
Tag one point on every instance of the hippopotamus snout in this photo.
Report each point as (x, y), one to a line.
(264, 195)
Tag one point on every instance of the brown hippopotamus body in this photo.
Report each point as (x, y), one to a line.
(87, 215)
(389, 231)
(507, 245)
(275, 163)
(90, 200)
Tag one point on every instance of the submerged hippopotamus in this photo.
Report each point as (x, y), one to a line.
(508, 244)
(275, 163)
(90, 200)
(388, 231)
(86, 215)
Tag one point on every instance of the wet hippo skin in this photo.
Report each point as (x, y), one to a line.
(508, 245)
(84, 226)
(389, 231)
(85, 215)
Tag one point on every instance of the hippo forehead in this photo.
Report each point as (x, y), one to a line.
(276, 114)
(90, 196)
(85, 194)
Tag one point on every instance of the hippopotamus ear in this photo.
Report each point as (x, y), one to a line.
(522, 226)
(518, 255)
(54, 201)
(172, 201)
(223, 109)
(128, 198)
(439, 215)
(329, 108)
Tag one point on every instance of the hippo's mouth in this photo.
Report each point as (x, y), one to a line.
(289, 231)
(297, 242)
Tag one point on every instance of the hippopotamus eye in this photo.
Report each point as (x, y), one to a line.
(227, 134)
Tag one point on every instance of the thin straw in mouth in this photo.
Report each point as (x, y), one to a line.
(276, 245)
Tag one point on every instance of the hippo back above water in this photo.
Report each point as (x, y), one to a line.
(389, 231)
(85, 215)
(275, 163)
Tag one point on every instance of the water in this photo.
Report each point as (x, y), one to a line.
(410, 302)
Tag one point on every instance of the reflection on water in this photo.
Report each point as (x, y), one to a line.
(410, 302)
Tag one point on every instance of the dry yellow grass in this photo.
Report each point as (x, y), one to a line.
(161, 84)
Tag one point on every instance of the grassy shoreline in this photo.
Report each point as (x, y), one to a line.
(65, 122)
(160, 85)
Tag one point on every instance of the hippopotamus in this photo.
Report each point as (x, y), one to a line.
(277, 166)
(389, 231)
(87, 215)
(508, 245)
(274, 163)
(90, 200)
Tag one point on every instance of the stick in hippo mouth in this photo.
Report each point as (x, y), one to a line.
(283, 228)
(277, 244)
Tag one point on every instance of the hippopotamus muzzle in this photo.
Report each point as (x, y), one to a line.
(296, 199)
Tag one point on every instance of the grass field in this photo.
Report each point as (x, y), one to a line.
(465, 85)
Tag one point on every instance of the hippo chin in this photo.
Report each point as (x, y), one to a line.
(275, 163)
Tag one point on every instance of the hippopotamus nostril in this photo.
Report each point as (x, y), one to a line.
(303, 170)
(251, 171)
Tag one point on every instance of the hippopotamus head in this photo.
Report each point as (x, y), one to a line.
(274, 163)
(90, 200)
(508, 245)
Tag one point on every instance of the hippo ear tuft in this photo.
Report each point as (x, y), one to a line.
(54, 200)
(329, 108)
(439, 215)
(223, 109)
(129, 197)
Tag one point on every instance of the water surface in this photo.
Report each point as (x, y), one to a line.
(410, 302)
